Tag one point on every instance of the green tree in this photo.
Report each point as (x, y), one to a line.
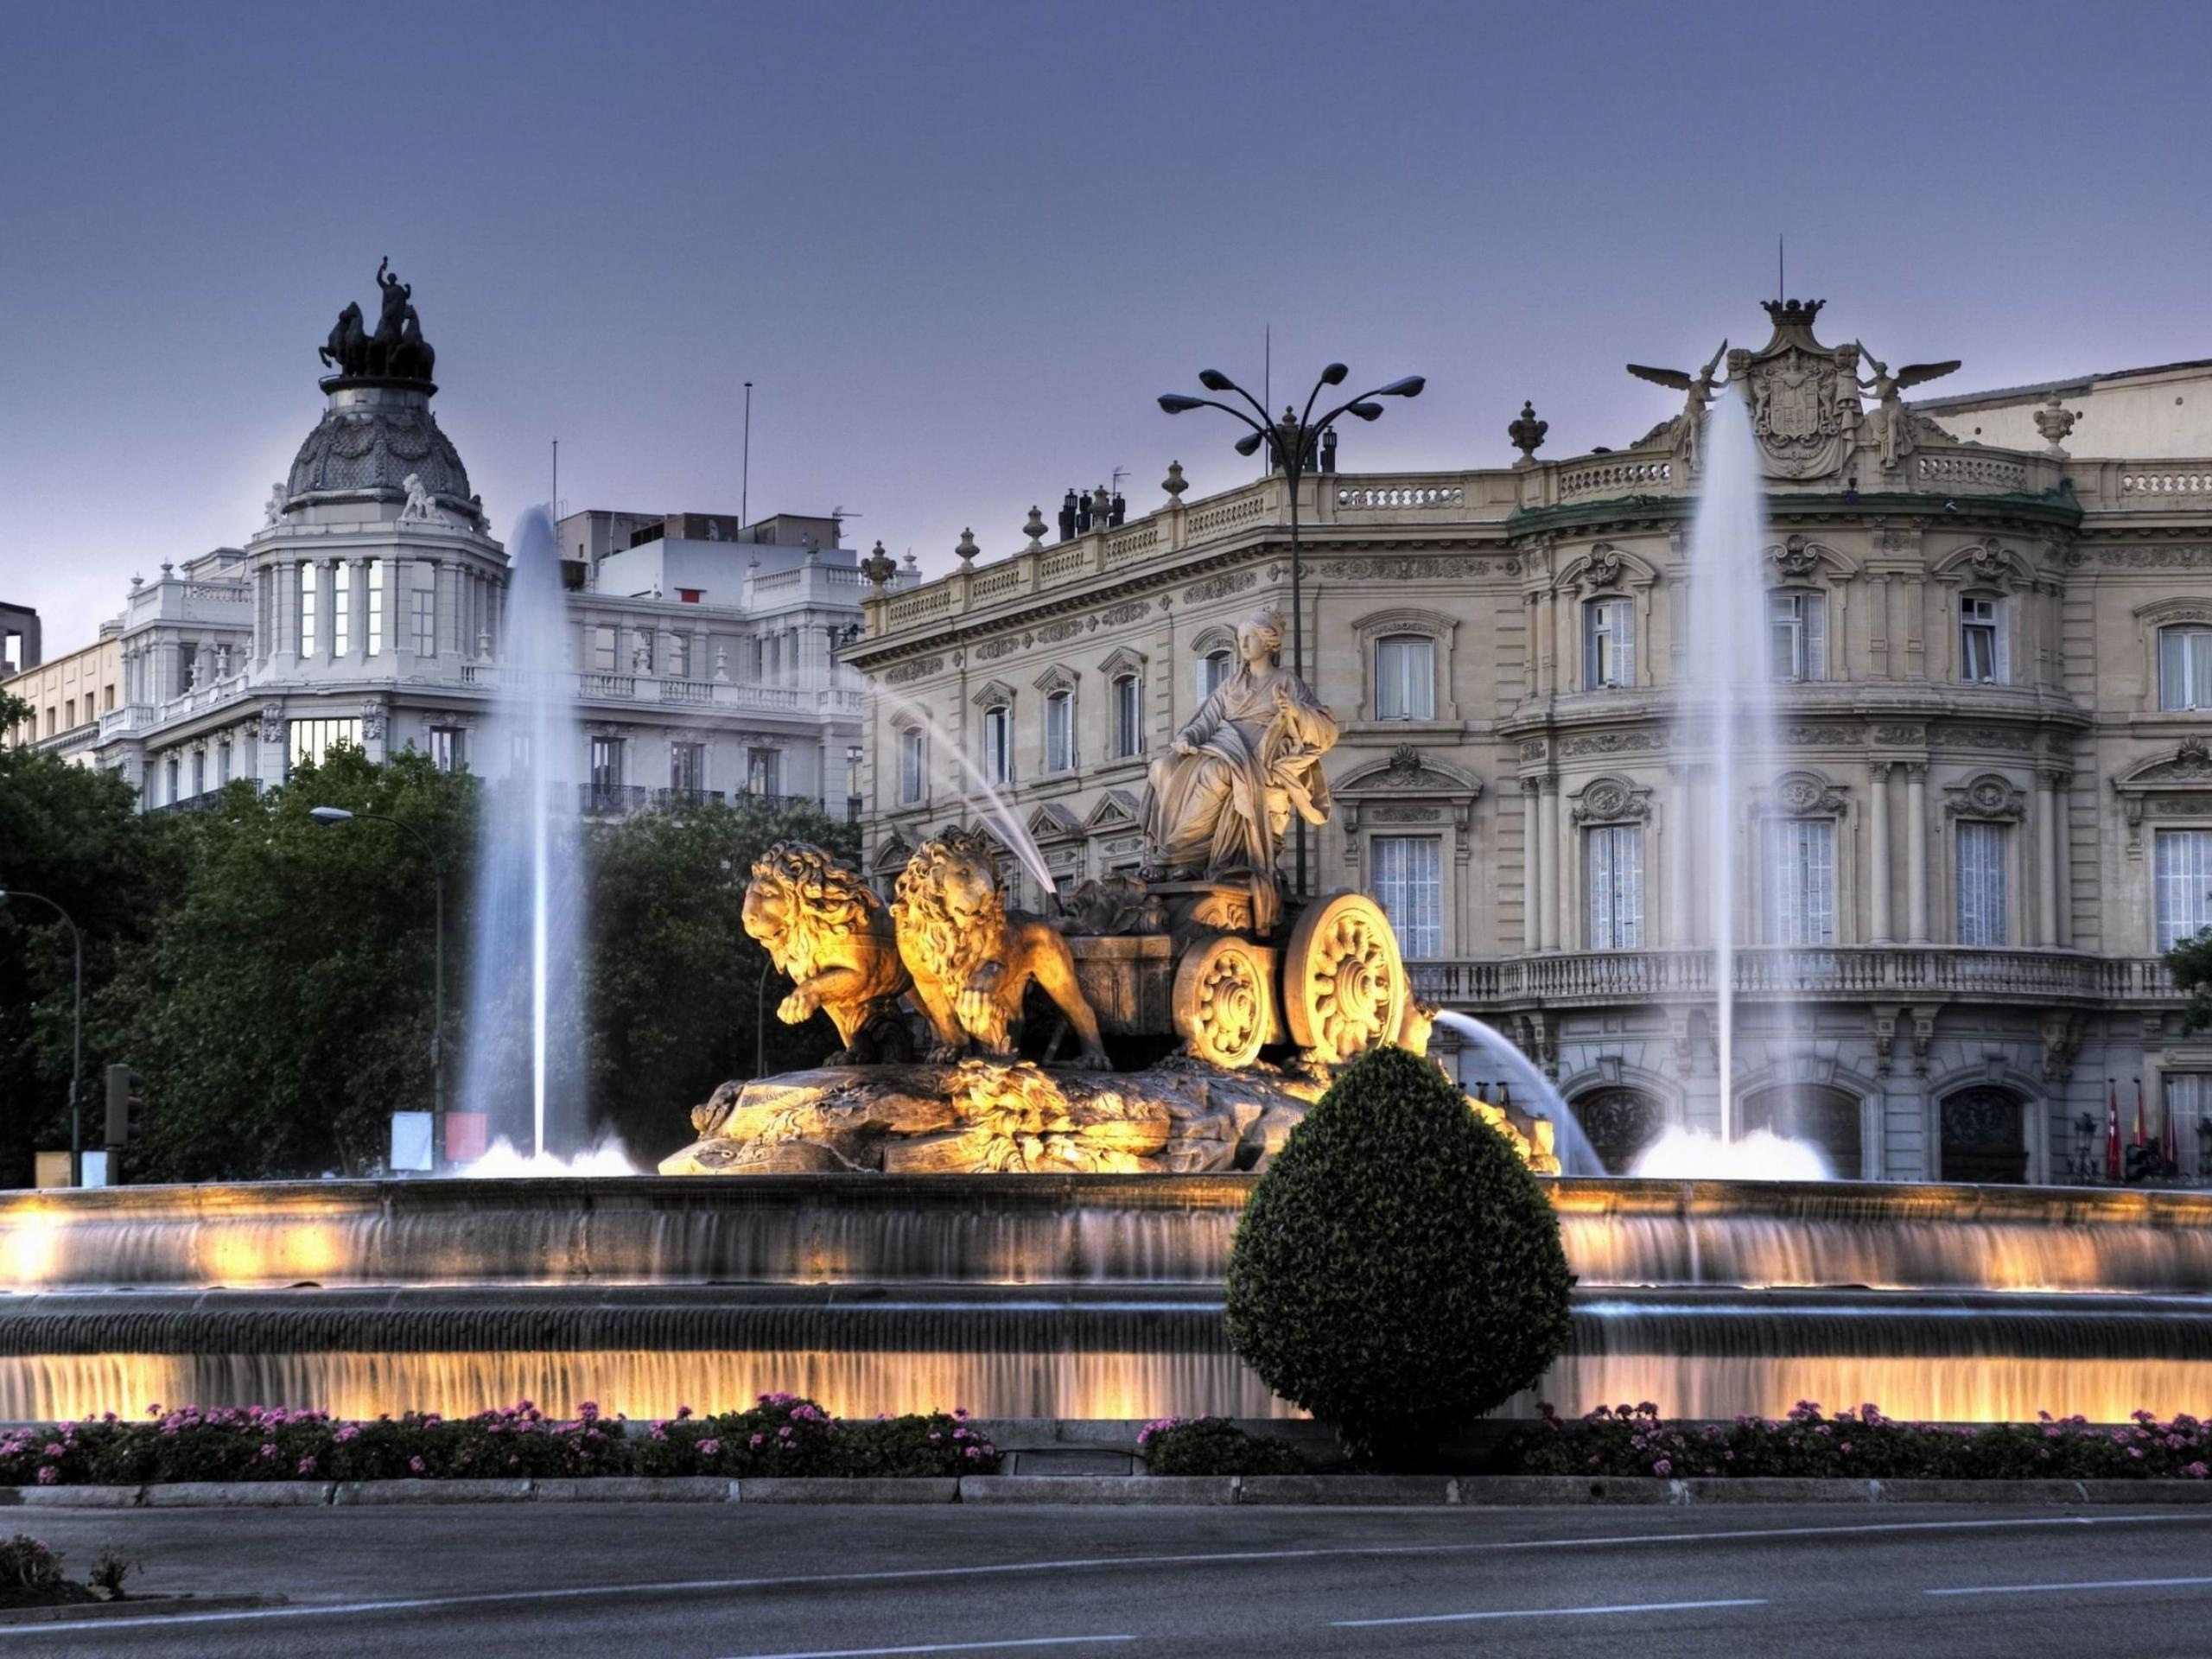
(2190, 961)
(73, 835)
(676, 987)
(281, 1007)
(1398, 1269)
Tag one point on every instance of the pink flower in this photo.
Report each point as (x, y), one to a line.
(682, 1412)
(1663, 1467)
(2197, 1472)
(47, 1474)
(755, 1441)
(54, 1450)
(269, 1448)
(417, 1464)
(707, 1448)
(975, 1451)
(306, 1465)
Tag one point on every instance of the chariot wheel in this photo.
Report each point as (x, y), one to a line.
(1344, 988)
(1221, 1000)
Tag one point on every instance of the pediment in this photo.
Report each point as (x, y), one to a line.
(996, 695)
(1052, 821)
(1409, 771)
(1115, 808)
(2189, 766)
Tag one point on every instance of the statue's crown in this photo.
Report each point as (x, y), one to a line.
(1785, 313)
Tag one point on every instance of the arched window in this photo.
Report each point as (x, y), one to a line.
(1215, 667)
(1985, 653)
(1984, 1137)
(2185, 667)
(998, 743)
(1619, 1123)
(1797, 636)
(1059, 731)
(1405, 678)
(1827, 1117)
(1608, 644)
(1128, 716)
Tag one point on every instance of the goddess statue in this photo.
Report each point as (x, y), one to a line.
(1218, 802)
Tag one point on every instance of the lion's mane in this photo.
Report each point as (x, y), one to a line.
(822, 902)
(951, 948)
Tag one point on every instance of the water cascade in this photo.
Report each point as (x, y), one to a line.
(523, 1063)
(1731, 699)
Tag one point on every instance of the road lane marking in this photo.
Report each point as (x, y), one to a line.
(1206, 1558)
(1545, 1613)
(939, 1647)
(2085, 1584)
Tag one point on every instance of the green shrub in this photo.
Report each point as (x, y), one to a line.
(1398, 1270)
(1214, 1445)
(28, 1564)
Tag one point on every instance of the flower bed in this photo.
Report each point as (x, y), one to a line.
(1636, 1440)
(1214, 1445)
(781, 1434)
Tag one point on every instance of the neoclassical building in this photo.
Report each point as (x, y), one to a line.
(368, 609)
(1990, 811)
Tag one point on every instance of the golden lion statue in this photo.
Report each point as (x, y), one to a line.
(971, 959)
(823, 928)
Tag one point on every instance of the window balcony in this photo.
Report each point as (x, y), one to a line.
(1772, 973)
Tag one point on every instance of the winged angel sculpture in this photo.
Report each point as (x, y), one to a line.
(1700, 386)
(1891, 416)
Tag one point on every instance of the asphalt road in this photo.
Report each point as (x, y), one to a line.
(684, 1581)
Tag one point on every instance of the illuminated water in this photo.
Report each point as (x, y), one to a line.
(1680, 1155)
(522, 1049)
(1058, 1296)
(1504, 1062)
(1730, 696)
(1012, 834)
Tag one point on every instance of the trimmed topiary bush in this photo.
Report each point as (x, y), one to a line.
(1398, 1270)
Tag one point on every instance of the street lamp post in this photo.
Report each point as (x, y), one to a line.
(1291, 440)
(76, 1034)
(335, 815)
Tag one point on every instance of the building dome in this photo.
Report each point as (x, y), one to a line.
(372, 439)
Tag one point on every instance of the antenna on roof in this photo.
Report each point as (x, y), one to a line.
(745, 465)
(1781, 278)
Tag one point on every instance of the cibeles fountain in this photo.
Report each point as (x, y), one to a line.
(1015, 1186)
(1180, 1024)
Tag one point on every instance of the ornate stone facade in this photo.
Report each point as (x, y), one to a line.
(1501, 645)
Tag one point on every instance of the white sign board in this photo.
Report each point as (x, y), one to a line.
(410, 1142)
(95, 1168)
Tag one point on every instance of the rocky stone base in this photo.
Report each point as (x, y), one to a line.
(987, 1117)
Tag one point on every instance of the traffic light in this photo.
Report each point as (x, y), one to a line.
(126, 1092)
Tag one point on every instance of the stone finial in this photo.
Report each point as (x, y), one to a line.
(1102, 504)
(1175, 483)
(1034, 530)
(912, 563)
(137, 581)
(967, 550)
(1528, 433)
(2054, 420)
(168, 569)
(879, 567)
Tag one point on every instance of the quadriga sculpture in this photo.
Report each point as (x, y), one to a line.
(831, 936)
(971, 958)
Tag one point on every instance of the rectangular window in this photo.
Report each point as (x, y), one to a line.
(1213, 669)
(341, 610)
(2185, 667)
(1129, 717)
(107, 697)
(690, 595)
(2188, 1104)
(310, 578)
(448, 748)
(222, 763)
(69, 709)
(313, 739)
(1405, 678)
(522, 753)
(375, 630)
(1059, 732)
(2183, 877)
(1608, 644)
(423, 611)
(1981, 641)
(687, 767)
(764, 771)
(1612, 866)
(200, 771)
(680, 656)
(998, 744)
(1981, 883)
(910, 765)
(1409, 873)
(606, 763)
(188, 654)
(602, 649)
(1797, 636)
(1799, 878)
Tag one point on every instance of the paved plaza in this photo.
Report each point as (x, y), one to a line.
(684, 1582)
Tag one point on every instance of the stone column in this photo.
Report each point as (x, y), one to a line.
(2046, 859)
(1531, 854)
(1679, 831)
(1878, 812)
(1915, 852)
(1547, 840)
(2063, 788)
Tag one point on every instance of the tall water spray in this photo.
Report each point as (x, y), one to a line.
(1731, 696)
(523, 1063)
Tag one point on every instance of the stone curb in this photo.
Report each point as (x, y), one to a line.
(1473, 1491)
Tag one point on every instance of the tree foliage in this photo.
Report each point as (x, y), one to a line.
(2190, 961)
(1398, 1269)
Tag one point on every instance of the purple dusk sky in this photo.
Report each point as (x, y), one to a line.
(960, 248)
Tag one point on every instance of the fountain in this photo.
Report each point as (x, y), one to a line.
(524, 1054)
(1509, 1069)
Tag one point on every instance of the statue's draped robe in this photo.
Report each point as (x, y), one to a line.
(1222, 810)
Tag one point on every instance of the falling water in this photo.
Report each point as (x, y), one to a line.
(1732, 700)
(1011, 832)
(524, 1045)
(1533, 1090)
